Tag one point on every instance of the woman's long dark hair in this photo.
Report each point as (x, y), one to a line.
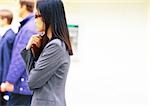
(53, 15)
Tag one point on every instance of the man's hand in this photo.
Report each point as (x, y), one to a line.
(7, 87)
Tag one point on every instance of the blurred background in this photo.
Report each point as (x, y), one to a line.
(111, 41)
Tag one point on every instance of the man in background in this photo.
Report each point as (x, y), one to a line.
(16, 80)
(7, 37)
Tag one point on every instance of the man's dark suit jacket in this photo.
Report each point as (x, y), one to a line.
(6, 46)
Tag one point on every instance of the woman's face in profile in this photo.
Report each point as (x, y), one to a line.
(40, 25)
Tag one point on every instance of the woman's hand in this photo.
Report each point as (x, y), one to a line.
(34, 40)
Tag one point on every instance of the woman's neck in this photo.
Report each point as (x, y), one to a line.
(49, 33)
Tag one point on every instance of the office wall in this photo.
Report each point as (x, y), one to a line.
(114, 55)
(11, 5)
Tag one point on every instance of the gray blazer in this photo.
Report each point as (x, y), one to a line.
(48, 77)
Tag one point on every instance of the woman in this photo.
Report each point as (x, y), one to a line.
(47, 57)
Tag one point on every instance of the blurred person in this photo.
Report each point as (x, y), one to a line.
(48, 71)
(6, 45)
(16, 80)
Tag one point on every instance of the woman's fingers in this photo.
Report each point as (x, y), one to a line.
(34, 40)
(37, 41)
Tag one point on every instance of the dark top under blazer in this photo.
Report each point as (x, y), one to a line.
(48, 77)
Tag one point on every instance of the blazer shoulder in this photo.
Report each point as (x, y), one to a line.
(57, 42)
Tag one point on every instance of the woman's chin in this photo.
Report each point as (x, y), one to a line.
(38, 30)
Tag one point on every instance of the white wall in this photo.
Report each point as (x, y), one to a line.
(11, 5)
(114, 54)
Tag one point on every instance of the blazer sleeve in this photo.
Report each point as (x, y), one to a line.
(47, 64)
(28, 59)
